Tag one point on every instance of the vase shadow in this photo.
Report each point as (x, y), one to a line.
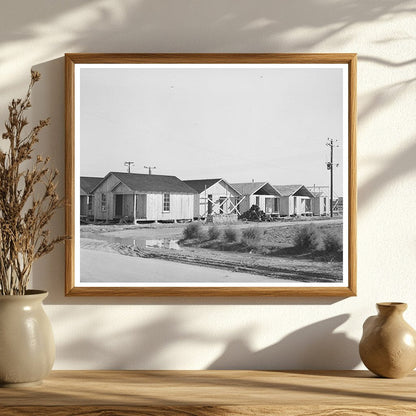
(313, 347)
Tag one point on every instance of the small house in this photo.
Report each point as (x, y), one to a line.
(87, 184)
(320, 203)
(214, 198)
(295, 200)
(262, 194)
(338, 206)
(143, 197)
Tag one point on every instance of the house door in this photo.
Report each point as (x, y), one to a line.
(276, 205)
(308, 205)
(222, 204)
(119, 205)
(83, 207)
(141, 206)
(209, 204)
(269, 205)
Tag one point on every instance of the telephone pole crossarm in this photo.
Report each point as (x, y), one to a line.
(150, 168)
(129, 165)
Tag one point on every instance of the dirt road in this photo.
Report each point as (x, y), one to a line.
(106, 267)
(207, 261)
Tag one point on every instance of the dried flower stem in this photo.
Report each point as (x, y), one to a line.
(23, 218)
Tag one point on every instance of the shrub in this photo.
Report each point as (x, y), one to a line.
(193, 231)
(332, 242)
(253, 214)
(307, 237)
(252, 236)
(230, 235)
(214, 232)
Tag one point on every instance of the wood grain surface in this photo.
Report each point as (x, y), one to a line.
(203, 393)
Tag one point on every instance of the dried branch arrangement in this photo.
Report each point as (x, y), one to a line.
(28, 199)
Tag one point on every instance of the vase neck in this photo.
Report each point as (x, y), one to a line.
(390, 308)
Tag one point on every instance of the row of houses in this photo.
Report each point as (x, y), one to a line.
(144, 197)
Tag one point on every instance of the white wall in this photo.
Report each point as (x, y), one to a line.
(197, 333)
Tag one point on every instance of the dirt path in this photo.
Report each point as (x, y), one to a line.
(110, 267)
(288, 268)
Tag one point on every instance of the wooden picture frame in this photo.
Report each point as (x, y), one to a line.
(169, 89)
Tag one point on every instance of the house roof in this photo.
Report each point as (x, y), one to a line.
(141, 182)
(201, 184)
(88, 183)
(320, 191)
(249, 188)
(289, 190)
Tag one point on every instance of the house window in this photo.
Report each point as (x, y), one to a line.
(103, 202)
(166, 202)
(258, 201)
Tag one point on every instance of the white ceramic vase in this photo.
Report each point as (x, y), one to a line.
(27, 347)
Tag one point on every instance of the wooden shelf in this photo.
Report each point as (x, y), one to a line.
(202, 393)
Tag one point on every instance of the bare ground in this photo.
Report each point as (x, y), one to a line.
(299, 267)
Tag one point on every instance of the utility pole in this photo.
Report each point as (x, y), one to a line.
(150, 168)
(330, 167)
(128, 164)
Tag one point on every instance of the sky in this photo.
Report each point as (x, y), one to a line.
(241, 124)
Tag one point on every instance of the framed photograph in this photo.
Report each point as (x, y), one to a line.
(211, 174)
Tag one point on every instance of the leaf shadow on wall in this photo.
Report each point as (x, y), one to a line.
(150, 26)
(140, 346)
(151, 345)
(313, 347)
(397, 166)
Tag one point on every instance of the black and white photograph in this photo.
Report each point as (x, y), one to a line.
(211, 174)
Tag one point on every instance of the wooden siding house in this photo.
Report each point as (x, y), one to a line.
(320, 203)
(214, 198)
(135, 197)
(262, 194)
(295, 200)
(338, 207)
(87, 185)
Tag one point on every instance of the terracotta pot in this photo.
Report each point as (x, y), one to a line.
(388, 344)
(27, 347)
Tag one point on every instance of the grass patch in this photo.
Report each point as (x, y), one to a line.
(310, 241)
(252, 237)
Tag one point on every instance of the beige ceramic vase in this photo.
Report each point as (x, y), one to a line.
(27, 347)
(388, 344)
